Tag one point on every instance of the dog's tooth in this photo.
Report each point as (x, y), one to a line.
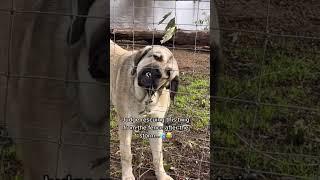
(148, 74)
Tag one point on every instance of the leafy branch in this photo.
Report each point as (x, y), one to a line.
(170, 29)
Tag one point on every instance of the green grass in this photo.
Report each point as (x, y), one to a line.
(276, 133)
(193, 100)
(10, 166)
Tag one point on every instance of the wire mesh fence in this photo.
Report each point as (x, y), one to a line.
(266, 121)
(40, 116)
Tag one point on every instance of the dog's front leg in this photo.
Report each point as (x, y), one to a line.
(125, 136)
(156, 148)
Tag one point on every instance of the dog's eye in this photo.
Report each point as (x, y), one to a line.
(157, 57)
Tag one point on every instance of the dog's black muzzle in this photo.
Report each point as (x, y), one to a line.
(149, 78)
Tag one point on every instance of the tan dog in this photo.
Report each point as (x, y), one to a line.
(142, 83)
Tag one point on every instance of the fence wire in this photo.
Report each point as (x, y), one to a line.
(244, 158)
(257, 104)
(8, 75)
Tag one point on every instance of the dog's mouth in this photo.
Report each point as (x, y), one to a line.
(149, 79)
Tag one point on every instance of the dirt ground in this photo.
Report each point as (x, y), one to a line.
(192, 61)
(285, 16)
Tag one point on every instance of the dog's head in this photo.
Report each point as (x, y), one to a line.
(156, 68)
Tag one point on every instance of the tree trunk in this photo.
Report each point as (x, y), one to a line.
(182, 37)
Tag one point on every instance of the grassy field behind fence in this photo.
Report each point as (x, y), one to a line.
(269, 138)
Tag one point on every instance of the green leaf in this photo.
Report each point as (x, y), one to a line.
(168, 35)
(171, 23)
(165, 17)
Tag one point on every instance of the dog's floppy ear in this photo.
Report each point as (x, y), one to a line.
(98, 55)
(138, 56)
(77, 26)
(173, 86)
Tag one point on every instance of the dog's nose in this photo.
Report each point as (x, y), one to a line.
(152, 73)
(149, 78)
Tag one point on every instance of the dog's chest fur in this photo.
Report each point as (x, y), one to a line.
(155, 106)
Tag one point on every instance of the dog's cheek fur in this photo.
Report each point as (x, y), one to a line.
(174, 84)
